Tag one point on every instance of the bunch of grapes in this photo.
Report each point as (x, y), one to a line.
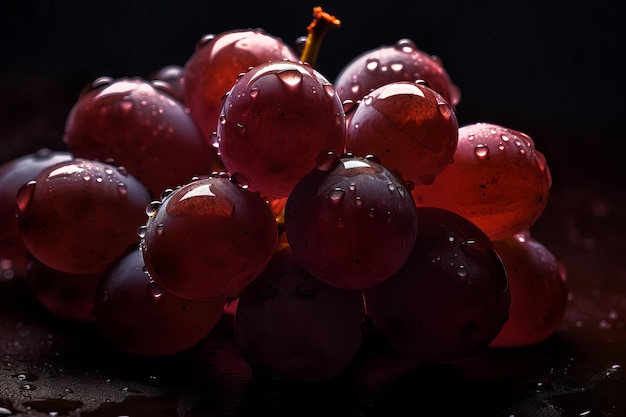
(321, 215)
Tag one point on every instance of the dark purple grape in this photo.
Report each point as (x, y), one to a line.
(450, 299)
(353, 223)
(139, 317)
(290, 325)
(14, 174)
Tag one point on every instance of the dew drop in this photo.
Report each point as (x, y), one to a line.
(222, 119)
(330, 89)
(367, 100)
(154, 290)
(372, 64)
(396, 66)
(25, 194)
(152, 207)
(239, 180)
(461, 271)
(336, 195)
(43, 153)
(122, 171)
(481, 151)
(391, 186)
(327, 161)
(159, 229)
(290, 77)
(126, 105)
(444, 110)
(165, 193)
(141, 231)
(254, 92)
(405, 45)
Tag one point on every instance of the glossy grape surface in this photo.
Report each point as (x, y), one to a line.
(385, 64)
(170, 79)
(217, 62)
(290, 325)
(539, 293)
(351, 222)
(78, 216)
(142, 128)
(14, 174)
(275, 121)
(498, 180)
(138, 317)
(450, 299)
(208, 239)
(409, 127)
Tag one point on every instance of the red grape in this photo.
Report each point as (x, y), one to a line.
(142, 128)
(65, 296)
(275, 121)
(208, 239)
(498, 180)
(402, 61)
(217, 62)
(14, 174)
(538, 291)
(450, 299)
(78, 216)
(352, 223)
(409, 126)
(138, 317)
(289, 325)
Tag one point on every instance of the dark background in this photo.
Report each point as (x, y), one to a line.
(549, 69)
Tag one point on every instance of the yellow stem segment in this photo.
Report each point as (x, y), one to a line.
(322, 21)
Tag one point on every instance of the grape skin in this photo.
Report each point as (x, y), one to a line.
(498, 180)
(450, 299)
(78, 216)
(539, 293)
(291, 326)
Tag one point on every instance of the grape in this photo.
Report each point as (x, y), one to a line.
(352, 223)
(79, 215)
(291, 326)
(140, 318)
(451, 297)
(216, 63)
(208, 239)
(170, 79)
(275, 121)
(538, 291)
(142, 128)
(409, 126)
(498, 180)
(14, 174)
(402, 61)
(66, 296)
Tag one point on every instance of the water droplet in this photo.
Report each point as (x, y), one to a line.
(330, 89)
(141, 231)
(291, 77)
(405, 45)
(122, 171)
(396, 66)
(336, 195)
(7, 269)
(43, 153)
(461, 271)
(159, 229)
(152, 207)
(372, 64)
(367, 100)
(126, 105)
(481, 151)
(239, 180)
(391, 186)
(25, 194)
(254, 92)
(444, 110)
(165, 193)
(154, 290)
(327, 161)
(122, 188)
(222, 119)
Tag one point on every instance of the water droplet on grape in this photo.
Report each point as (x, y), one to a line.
(222, 119)
(481, 151)
(25, 194)
(204, 40)
(367, 100)
(461, 271)
(6, 269)
(126, 105)
(405, 45)
(122, 171)
(396, 66)
(152, 208)
(239, 180)
(159, 229)
(445, 110)
(254, 92)
(290, 77)
(327, 161)
(141, 231)
(154, 290)
(330, 89)
(336, 195)
(372, 64)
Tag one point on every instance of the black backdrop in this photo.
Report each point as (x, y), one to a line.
(546, 68)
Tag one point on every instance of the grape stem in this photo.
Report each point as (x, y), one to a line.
(322, 21)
